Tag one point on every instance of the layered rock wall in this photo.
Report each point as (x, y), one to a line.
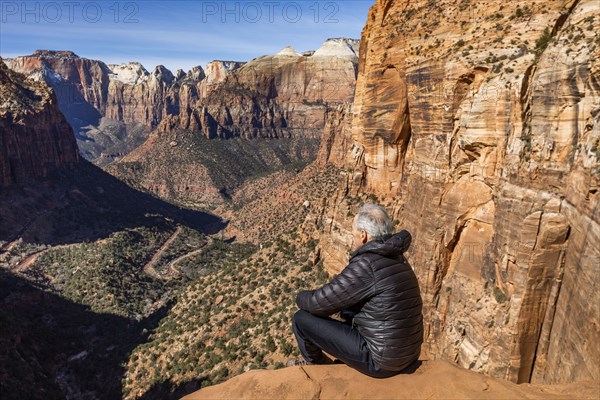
(477, 124)
(34, 135)
(89, 89)
(285, 95)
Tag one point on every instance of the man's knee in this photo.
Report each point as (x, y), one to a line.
(299, 318)
(309, 325)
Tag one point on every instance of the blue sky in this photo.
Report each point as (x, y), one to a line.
(177, 34)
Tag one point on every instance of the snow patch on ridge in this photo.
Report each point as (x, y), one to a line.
(131, 73)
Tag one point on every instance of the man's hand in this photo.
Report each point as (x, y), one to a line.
(352, 286)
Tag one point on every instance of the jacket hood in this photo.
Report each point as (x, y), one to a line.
(388, 246)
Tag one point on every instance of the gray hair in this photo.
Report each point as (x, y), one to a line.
(373, 219)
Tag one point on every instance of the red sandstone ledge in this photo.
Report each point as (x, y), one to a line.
(432, 380)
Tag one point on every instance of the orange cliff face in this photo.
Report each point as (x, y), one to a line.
(34, 135)
(478, 126)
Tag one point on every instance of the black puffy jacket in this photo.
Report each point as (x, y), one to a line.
(378, 285)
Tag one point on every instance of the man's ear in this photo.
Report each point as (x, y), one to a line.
(364, 237)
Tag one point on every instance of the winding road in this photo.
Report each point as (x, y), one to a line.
(149, 267)
(28, 261)
(171, 266)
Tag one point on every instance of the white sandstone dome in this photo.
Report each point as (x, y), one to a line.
(341, 47)
(289, 51)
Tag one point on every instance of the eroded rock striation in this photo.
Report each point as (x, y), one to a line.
(34, 135)
(478, 126)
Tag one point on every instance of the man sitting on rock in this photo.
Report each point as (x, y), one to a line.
(378, 296)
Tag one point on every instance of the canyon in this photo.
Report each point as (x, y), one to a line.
(71, 237)
(270, 111)
(476, 125)
(113, 108)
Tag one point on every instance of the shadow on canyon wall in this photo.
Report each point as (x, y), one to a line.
(85, 204)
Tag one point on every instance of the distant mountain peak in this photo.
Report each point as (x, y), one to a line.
(228, 65)
(217, 70)
(180, 74)
(162, 73)
(130, 73)
(338, 47)
(288, 51)
(196, 73)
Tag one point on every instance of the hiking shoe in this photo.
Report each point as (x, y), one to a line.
(300, 361)
(295, 362)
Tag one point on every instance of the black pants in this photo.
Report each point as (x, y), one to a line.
(315, 334)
